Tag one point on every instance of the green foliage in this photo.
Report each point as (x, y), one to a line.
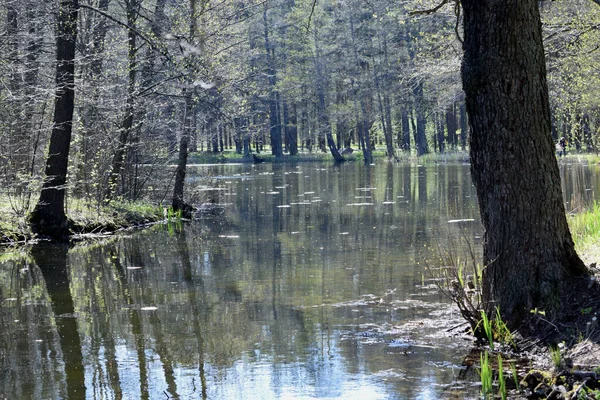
(555, 356)
(495, 329)
(515, 375)
(486, 375)
(501, 379)
(487, 328)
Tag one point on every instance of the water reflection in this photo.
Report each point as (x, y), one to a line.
(313, 285)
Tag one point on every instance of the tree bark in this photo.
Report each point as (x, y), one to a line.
(528, 250)
(48, 216)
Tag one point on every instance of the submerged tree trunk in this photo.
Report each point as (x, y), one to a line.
(528, 250)
(48, 217)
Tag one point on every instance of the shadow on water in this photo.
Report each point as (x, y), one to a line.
(51, 259)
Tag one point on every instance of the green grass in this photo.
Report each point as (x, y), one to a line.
(501, 379)
(585, 229)
(85, 218)
(486, 376)
(230, 156)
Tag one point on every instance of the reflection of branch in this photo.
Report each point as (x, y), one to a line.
(434, 9)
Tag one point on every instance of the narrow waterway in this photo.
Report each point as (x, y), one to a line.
(315, 282)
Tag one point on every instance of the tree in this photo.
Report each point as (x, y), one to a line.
(49, 216)
(528, 249)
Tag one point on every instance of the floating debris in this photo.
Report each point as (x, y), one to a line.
(134, 267)
(230, 236)
(453, 221)
(150, 308)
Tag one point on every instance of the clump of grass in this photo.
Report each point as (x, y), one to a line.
(555, 356)
(487, 328)
(515, 375)
(486, 375)
(501, 379)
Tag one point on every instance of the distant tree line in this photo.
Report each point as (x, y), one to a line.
(154, 80)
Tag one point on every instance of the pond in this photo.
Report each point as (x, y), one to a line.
(314, 283)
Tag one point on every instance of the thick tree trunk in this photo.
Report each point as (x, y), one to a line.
(48, 217)
(528, 250)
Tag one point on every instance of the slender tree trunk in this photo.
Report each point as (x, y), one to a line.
(451, 126)
(48, 217)
(133, 7)
(274, 119)
(440, 139)
(324, 122)
(464, 127)
(292, 130)
(420, 135)
(528, 250)
(405, 130)
(178, 201)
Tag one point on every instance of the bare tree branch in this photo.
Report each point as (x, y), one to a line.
(434, 9)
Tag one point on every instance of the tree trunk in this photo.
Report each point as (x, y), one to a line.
(528, 250)
(133, 7)
(464, 127)
(178, 202)
(451, 126)
(405, 130)
(440, 139)
(274, 120)
(292, 130)
(48, 217)
(324, 122)
(419, 132)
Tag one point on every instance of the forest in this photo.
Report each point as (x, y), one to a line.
(153, 80)
(151, 110)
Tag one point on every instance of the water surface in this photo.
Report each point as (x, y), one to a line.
(312, 284)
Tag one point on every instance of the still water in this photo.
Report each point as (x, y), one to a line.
(313, 283)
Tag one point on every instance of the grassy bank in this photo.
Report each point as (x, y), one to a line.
(230, 156)
(83, 218)
(585, 228)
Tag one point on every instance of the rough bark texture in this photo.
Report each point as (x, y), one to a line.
(528, 250)
(48, 217)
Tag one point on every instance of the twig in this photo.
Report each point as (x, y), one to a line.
(430, 10)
